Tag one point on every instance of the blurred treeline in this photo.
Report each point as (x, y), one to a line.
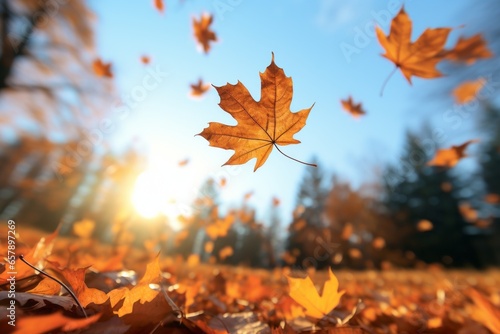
(56, 168)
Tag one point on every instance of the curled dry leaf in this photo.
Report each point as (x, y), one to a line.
(261, 125)
(303, 291)
(467, 91)
(202, 31)
(449, 157)
(355, 109)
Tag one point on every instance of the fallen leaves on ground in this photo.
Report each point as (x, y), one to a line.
(262, 124)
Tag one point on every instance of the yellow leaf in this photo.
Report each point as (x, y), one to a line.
(303, 291)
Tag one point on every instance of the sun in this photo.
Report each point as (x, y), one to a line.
(164, 188)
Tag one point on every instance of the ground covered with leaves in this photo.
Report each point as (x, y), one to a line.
(134, 291)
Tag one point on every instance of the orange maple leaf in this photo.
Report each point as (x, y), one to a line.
(261, 125)
(352, 108)
(199, 88)
(202, 32)
(468, 50)
(449, 157)
(159, 5)
(102, 69)
(413, 59)
(467, 91)
(145, 59)
(303, 291)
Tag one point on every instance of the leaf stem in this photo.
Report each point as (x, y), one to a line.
(387, 80)
(289, 157)
(21, 257)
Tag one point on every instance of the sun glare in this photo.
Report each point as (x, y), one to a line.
(163, 189)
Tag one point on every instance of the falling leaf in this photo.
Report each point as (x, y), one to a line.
(352, 108)
(159, 5)
(413, 59)
(467, 91)
(209, 247)
(378, 243)
(355, 253)
(492, 198)
(468, 50)
(303, 291)
(261, 125)
(449, 157)
(276, 201)
(199, 88)
(225, 252)
(222, 182)
(247, 196)
(47, 323)
(347, 231)
(193, 260)
(468, 212)
(84, 228)
(424, 225)
(145, 59)
(183, 162)
(102, 69)
(202, 31)
(220, 227)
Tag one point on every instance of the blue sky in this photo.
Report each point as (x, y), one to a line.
(307, 38)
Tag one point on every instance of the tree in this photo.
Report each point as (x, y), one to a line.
(417, 192)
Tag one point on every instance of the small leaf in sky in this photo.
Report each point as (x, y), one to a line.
(468, 90)
(202, 31)
(102, 69)
(355, 109)
(449, 157)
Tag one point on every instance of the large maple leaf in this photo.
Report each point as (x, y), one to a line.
(262, 124)
(413, 59)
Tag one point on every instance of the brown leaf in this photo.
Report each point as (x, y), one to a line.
(44, 323)
(449, 157)
(202, 32)
(352, 108)
(467, 91)
(86, 295)
(199, 88)
(46, 286)
(261, 125)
